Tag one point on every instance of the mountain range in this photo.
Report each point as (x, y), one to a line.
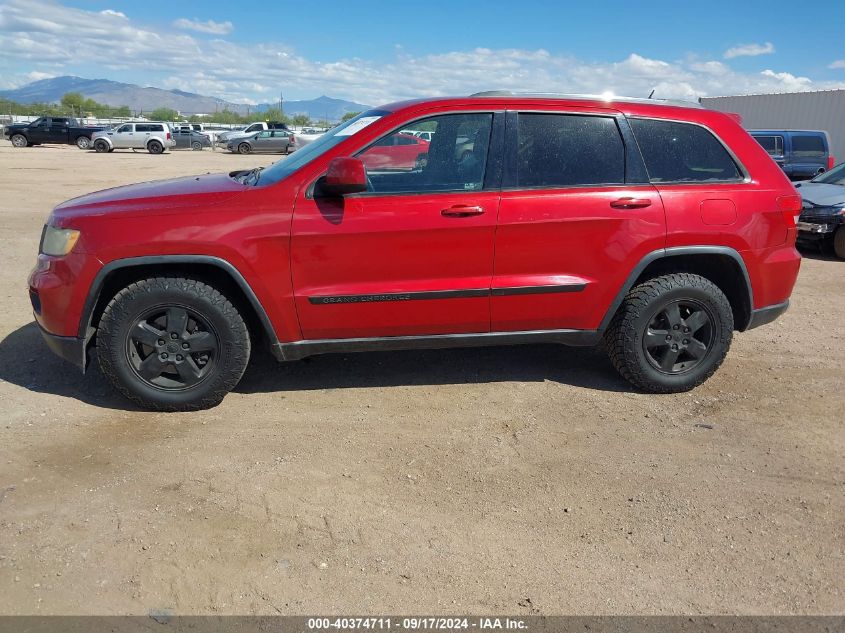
(145, 99)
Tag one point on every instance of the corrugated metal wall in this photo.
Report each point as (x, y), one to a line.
(824, 110)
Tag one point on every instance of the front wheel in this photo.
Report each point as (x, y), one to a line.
(101, 146)
(244, 148)
(172, 344)
(19, 140)
(671, 333)
(83, 142)
(154, 147)
(839, 242)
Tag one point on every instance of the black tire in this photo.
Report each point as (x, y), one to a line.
(196, 146)
(192, 370)
(101, 146)
(839, 242)
(155, 147)
(83, 142)
(244, 148)
(690, 323)
(19, 140)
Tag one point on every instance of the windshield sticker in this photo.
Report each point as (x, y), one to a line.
(360, 124)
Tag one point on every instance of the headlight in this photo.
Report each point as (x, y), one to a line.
(58, 242)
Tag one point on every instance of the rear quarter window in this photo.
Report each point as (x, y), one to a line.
(683, 152)
(808, 146)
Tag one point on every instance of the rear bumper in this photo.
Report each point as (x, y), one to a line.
(71, 348)
(762, 316)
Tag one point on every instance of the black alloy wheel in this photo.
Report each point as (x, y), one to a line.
(679, 336)
(172, 347)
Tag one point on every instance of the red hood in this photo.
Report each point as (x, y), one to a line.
(160, 195)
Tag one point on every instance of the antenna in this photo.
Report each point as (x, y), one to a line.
(651, 94)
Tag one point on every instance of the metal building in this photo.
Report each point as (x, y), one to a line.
(821, 110)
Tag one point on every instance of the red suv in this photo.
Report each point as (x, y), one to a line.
(654, 228)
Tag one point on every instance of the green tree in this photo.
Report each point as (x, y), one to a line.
(73, 101)
(164, 114)
(273, 114)
(348, 115)
(301, 120)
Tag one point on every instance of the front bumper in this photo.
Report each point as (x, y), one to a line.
(71, 348)
(814, 228)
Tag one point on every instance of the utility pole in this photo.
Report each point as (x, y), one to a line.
(281, 103)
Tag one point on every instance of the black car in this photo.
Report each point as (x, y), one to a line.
(60, 130)
(822, 220)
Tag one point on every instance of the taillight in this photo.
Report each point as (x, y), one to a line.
(790, 206)
(831, 161)
(168, 136)
(292, 139)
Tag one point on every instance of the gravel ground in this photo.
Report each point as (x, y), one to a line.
(501, 480)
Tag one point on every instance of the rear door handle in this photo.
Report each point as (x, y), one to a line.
(631, 203)
(461, 211)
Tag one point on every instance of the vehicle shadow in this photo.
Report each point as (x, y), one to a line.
(25, 361)
(577, 366)
(810, 252)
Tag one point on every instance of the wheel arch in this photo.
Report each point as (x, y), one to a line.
(722, 265)
(119, 273)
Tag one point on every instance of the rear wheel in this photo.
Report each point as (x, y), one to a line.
(839, 242)
(101, 146)
(671, 333)
(19, 140)
(83, 142)
(196, 146)
(244, 148)
(172, 344)
(155, 147)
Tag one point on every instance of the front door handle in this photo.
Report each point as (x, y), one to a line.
(631, 203)
(461, 211)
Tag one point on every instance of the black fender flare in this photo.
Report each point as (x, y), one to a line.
(86, 330)
(677, 251)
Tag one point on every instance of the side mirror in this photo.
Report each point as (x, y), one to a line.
(345, 175)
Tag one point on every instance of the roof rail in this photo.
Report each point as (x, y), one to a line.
(587, 97)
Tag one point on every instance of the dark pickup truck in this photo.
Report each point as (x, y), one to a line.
(60, 130)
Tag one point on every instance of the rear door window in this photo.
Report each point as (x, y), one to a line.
(566, 150)
(772, 144)
(683, 152)
(808, 146)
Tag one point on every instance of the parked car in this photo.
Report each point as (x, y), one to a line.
(259, 126)
(60, 130)
(426, 136)
(397, 152)
(656, 229)
(280, 141)
(822, 220)
(187, 138)
(800, 153)
(153, 136)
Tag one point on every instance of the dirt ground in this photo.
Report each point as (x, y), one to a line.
(501, 480)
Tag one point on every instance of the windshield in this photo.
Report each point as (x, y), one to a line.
(835, 176)
(284, 168)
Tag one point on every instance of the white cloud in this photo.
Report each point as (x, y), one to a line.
(38, 35)
(750, 50)
(112, 13)
(839, 63)
(209, 26)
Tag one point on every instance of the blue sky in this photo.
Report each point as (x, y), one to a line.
(379, 51)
